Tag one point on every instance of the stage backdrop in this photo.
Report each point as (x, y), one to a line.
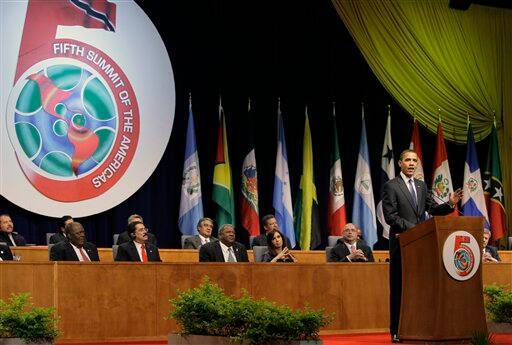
(298, 52)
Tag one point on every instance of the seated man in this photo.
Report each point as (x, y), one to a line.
(125, 237)
(225, 249)
(74, 247)
(5, 253)
(204, 228)
(348, 249)
(138, 249)
(7, 233)
(269, 224)
(60, 235)
(490, 254)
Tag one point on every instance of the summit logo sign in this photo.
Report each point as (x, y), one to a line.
(90, 108)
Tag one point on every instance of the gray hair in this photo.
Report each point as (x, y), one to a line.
(134, 216)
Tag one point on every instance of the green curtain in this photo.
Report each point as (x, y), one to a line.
(435, 60)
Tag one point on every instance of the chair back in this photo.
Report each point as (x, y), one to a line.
(183, 238)
(328, 251)
(50, 245)
(48, 235)
(114, 251)
(114, 239)
(258, 253)
(332, 240)
(251, 240)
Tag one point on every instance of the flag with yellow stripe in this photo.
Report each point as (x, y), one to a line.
(307, 227)
(222, 194)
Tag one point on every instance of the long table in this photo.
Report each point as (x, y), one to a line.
(40, 254)
(119, 301)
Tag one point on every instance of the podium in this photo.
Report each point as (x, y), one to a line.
(435, 305)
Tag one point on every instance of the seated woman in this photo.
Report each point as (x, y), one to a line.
(277, 252)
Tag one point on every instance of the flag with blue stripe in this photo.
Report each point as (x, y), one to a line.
(191, 205)
(473, 201)
(282, 200)
(363, 213)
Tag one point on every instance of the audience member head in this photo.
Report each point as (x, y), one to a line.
(138, 232)
(275, 241)
(205, 227)
(269, 223)
(135, 218)
(408, 162)
(6, 224)
(63, 221)
(487, 236)
(227, 234)
(75, 233)
(349, 233)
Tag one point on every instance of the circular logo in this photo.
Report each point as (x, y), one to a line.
(87, 114)
(461, 255)
(64, 121)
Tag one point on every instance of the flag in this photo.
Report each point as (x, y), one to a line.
(442, 184)
(43, 18)
(337, 217)
(416, 146)
(493, 190)
(191, 204)
(222, 194)
(363, 213)
(249, 197)
(387, 172)
(307, 227)
(282, 199)
(473, 201)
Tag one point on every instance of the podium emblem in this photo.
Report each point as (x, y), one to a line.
(461, 255)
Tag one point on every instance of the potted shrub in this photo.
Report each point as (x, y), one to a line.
(23, 323)
(206, 311)
(498, 304)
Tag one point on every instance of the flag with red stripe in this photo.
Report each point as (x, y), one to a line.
(442, 184)
(337, 217)
(416, 146)
(493, 190)
(249, 197)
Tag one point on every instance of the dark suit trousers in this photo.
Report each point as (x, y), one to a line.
(395, 283)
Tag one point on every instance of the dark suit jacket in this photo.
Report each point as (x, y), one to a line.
(401, 214)
(340, 251)
(57, 237)
(398, 205)
(212, 252)
(261, 240)
(5, 252)
(18, 239)
(128, 252)
(63, 251)
(124, 237)
(493, 251)
(195, 242)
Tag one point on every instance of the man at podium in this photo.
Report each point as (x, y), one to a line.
(404, 202)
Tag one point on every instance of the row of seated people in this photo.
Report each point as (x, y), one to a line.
(137, 244)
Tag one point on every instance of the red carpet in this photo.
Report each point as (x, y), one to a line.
(331, 339)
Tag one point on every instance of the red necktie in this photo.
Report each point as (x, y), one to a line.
(144, 253)
(352, 249)
(84, 257)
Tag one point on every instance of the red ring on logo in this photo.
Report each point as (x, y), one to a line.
(91, 185)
